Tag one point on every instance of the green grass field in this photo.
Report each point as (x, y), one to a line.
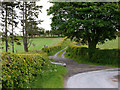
(111, 44)
(37, 44)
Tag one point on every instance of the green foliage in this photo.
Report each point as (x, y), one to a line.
(90, 20)
(87, 22)
(101, 56)
(19, 70)
(118, 34)
(55, 48)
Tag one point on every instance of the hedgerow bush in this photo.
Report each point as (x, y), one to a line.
(53, 49)
(19, 70)
(76, 50)
(106, 56)
(101, 56)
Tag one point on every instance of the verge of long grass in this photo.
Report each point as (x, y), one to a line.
(53, 77)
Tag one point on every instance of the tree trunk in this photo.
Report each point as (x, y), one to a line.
(23, 26)
(24, 29)
(26, 43)
(91, 48)
(6, 30)
(12, 33)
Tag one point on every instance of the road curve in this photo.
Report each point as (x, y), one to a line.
(60, 51)
(94, 79)
(86, 76)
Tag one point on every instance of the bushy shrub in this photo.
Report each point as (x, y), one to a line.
(101, 56)
(56, 47)
(20, 70)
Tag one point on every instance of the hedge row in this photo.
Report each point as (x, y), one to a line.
(101, 56)
(56, 47)
(20, 70)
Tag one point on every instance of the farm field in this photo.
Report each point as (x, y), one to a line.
(37, 44)
(110, 44)
(113, 44)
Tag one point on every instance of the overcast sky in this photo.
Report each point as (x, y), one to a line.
(43, 15)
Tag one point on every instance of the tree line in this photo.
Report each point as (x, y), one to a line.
(28, 14)
(25, 13)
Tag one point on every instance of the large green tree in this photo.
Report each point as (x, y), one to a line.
(88, 22)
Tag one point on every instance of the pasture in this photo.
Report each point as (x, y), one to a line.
(36, 44)
(110, 44)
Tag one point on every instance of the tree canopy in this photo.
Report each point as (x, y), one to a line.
(89, 22)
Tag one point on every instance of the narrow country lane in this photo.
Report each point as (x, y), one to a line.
(77, 70)
(94, 79)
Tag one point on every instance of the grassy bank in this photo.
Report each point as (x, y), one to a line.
(52, 77)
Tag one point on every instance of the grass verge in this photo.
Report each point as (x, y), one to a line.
(52, 77)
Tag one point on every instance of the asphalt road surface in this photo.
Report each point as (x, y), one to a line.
(94, 79)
